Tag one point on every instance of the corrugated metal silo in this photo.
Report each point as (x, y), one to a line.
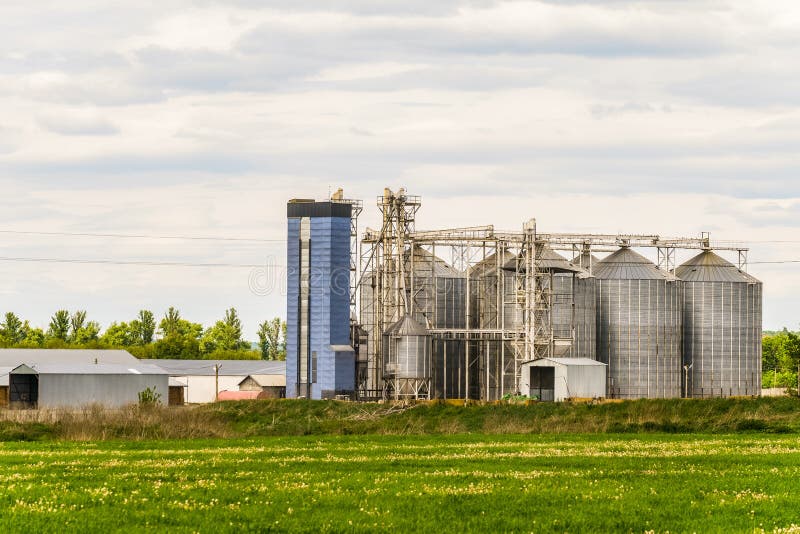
(721, 328)
(573, 308)
(439, 292)
(639, 316)
(407, 359)
(494, 306)
(573, 312)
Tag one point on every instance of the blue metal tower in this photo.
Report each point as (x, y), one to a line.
(320, 362)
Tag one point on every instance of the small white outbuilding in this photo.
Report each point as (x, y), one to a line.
(559, 379)
(203, 380)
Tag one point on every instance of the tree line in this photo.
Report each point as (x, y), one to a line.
(171, 337)
(780, 359)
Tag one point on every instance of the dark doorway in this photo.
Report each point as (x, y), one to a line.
(23, 391)
(543, 383)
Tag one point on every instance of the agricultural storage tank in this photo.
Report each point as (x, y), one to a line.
(439, 294)
(407, 368)
(494, 306)
(721, 328)
(439, 291)
(639, 313)
(439, 301)
(573, 308)
(494, 293)
(573, 313)
(586, 260)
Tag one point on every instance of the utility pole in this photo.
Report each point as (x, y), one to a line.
(216, 382)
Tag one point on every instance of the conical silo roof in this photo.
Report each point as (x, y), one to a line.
(407, 326)
(489, 264)
(625, 264)
(423, 260)
(549, 260)
(585, 259)
(710, 267)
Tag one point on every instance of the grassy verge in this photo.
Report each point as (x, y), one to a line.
(540, 483)
(276, 418)
(297, 418)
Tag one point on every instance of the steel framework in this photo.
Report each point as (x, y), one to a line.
(494, 345)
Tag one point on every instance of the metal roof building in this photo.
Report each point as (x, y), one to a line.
(559, 379)
(204, 379)
(65, 385)
(14, 357)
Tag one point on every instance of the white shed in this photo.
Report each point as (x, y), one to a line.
(204, 379)
(559, 379)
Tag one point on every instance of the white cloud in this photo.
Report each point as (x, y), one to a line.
(202, 117)
(81, 124)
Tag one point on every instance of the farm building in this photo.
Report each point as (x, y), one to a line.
(73, 378)
(203, 380)
(466, 308)
(76, 385)
(559, 379)
(14, 357)
(269, 386)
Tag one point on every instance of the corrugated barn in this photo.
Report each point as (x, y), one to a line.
(43, 378)
(74, 386)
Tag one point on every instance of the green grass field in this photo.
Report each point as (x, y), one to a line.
(463, 483)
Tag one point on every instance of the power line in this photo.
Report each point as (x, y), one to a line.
(137, 262)
(261, 240)
(757, 241)
(144, 236)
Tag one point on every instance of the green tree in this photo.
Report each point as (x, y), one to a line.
(118, 335)
(180, 338)
(77, 322)
(12, 330)
(176, 347)
(224, 335)
(170, 324)
(87, 333)
(780, 358)
(272, 339)
(234, 324)
(34, 337)
(59, 326)
(146, 322)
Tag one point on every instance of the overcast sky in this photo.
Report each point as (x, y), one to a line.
(201, 118)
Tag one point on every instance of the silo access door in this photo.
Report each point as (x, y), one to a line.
(543, 383)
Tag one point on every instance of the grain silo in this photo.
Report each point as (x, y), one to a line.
(574, 313)
(639, 315)
(494, 306)
(407, 366)
(573, 308)
(721, 328)
(437, 289)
